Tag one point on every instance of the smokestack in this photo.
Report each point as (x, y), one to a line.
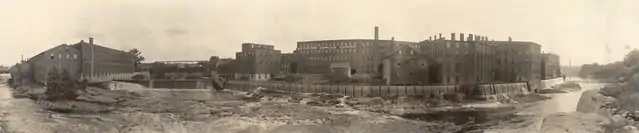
(440, 35)
(510, 39)
(90, 40)
(461, 37)
(430, 38)
(452, 36)
(376, 33)
(470, 37)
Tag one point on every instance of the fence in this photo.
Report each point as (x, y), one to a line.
(376, 91)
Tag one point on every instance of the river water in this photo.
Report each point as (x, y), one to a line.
(567, 102)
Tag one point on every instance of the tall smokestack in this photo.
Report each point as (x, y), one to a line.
(90, 40)
(376, 33)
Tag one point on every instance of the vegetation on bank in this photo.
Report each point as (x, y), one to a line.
(616, 70)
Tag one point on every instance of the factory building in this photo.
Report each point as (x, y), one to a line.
(363, 55)
(466, 60)
(258, 62)
(83, 61)
(550, 66)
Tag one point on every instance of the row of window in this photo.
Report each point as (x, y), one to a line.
(62, 56)
(251, 53)
(332, 51)
(334, 44)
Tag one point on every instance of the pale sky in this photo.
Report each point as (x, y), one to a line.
(577, 30)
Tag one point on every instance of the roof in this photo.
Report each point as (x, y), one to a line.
(349, 40)
(516, 43)
(398, 48)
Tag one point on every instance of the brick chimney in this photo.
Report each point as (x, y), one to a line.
(452, 36)
(440, 35)
(430, 38)
(470, 37)
(510, 39)
(90, 40)
(376, 33)
(461, 37)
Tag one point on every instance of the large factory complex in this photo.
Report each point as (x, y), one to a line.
(454, 58)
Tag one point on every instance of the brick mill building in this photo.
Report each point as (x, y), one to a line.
(84, 61)
(258, 62)
(463, 61)
(550, 66)
(364, 55)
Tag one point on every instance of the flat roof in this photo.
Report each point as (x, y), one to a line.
(348, 40)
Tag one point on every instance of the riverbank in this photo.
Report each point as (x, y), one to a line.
(163, 110)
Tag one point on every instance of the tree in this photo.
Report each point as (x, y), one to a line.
(137, 56)
(213, 62)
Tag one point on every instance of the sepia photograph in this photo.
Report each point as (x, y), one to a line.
(319, 66)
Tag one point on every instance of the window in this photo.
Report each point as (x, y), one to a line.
(67, 56)
(398, 64)
(52, 56)
(59, 55)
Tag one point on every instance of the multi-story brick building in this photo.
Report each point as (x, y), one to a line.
(550, 66)
(467, 60)
(83, 61)
(405, 66)
(364, 55)
(258, 62)
(518, 61)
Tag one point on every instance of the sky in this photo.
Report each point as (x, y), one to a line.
(577, 30)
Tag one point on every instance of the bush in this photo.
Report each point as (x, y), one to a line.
(60, 86)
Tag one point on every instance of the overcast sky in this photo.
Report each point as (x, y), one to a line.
(577, 30)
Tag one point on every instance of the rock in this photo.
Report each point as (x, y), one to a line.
(454, 97)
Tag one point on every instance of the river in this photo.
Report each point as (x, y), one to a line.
(23, 115)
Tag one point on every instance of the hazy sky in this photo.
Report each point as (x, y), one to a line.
(577, 30)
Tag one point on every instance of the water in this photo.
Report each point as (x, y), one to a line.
(567, 102)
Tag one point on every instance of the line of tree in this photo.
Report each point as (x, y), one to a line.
(616, 70)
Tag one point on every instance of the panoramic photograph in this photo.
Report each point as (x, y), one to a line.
(319, 66)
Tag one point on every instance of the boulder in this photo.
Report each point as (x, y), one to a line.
(454, 97)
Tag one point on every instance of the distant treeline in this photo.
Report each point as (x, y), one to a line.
(615, 70)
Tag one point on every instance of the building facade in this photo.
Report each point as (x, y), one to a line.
(258, 62)
(364, 55)
(405, 66)
(83, 61)
(550, 66)
(518, 61)
(466, 60)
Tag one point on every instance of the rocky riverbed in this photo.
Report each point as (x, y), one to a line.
(136, 109)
